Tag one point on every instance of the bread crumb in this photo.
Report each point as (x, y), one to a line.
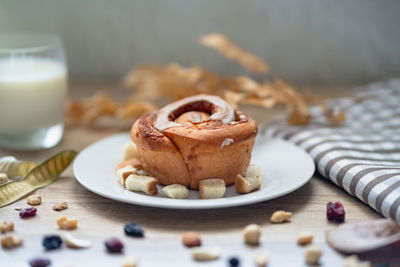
(251, 182)
(145, 184)
(175, 191)
(212, 188)
(130, 151)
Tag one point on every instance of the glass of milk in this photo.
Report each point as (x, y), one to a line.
(33, 91)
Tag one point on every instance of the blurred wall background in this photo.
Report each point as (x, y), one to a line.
(308, 41)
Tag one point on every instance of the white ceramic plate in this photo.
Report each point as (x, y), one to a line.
(285, 168)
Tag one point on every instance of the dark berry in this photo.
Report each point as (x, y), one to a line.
(27, 212)
(114, 245)
(133, 229)
(234, 262)
(335, 212)
(52, 242)
(39, 262)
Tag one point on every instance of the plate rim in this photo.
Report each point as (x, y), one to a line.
(207, 203)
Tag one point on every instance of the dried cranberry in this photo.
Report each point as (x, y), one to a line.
(39, 262)
(114, 245)
(335, 212)
(27, 212)
(52, 242)
(133, 229)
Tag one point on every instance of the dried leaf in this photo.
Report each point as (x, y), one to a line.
(37, 177)
(223, 45)
(153, 84)
(233, 98)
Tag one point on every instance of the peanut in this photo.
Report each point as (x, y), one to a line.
(67, 224)
(312, 254)
(252, 234)
(6, 226)
(191, 239)
(304, 239)
(11, 241)
(34, 200)
(280, 216)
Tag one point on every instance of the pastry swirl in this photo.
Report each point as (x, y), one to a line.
(195, 138)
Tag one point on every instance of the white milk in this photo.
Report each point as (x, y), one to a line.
(32, 94)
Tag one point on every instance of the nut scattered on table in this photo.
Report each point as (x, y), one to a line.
(252, 234)
(212, 188)
(3, 178)
(191, 239)
(74, 242)
(205, 254)
(280, 216)
(11, 241)
(175, 191)
(34, 200)
(130, 262)
(67, 224)
(354, 261)
(60, 206)
(304, 239)
(312, 254)
(6, 226)
(18, 208)
(261, 259)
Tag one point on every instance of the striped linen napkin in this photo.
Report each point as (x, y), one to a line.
(363, 155)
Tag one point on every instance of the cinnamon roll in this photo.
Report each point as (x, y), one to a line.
(195, 138)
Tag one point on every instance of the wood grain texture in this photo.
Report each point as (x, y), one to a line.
(100, 218)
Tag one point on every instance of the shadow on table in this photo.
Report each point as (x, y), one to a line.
(197, 220)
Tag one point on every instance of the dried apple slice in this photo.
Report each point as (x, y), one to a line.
(41, 175)
(363, 236)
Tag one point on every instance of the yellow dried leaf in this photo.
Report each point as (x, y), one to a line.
(233, 98)
(226, 47)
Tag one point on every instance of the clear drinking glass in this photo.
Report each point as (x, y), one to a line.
(33, 91)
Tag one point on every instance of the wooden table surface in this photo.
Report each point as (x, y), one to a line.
(100, 218)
